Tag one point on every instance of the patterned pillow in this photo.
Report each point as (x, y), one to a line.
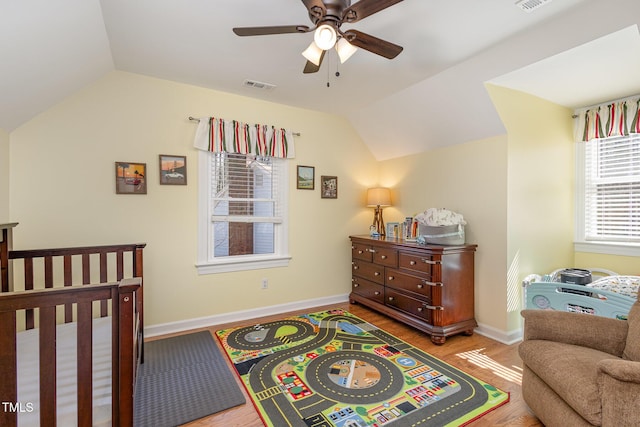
(624, 285)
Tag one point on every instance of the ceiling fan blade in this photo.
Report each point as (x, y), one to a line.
(364, 8)
(310, 67)
(372, 44)
(278, 29)
(315, 7)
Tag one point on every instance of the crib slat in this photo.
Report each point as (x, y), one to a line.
(8, 367)
(86, 269)
(48, 366)
(85, 364)
(104, 310)
(120, 265)
(68, 281)
(28, 285)
(48, 272)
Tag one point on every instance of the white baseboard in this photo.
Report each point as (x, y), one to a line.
(236, 316)
(507, 338)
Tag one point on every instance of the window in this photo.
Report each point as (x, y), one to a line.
(242, 213)
(608, 202)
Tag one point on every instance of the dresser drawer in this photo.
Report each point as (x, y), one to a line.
(360, 251)
(367, 289)
(413, 306)
(385, 256)
(411, 283)
(368, 270)
(420, 263)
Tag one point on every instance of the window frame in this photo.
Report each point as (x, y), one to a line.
(581, 244)
(207, 264)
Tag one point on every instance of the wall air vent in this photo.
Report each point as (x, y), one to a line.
(531, 5)
(258, 85)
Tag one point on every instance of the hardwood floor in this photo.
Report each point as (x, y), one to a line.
(489, 360)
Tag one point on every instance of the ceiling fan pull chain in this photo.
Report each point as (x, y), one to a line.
(328, 69)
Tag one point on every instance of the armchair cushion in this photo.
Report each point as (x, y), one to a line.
(599, 333)
(619, 384)
(632, 348)
(569, 370)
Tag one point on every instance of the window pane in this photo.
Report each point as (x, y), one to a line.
(612, 189)
(244, 201)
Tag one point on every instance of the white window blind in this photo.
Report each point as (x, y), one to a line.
(246, 204)
(612, 189)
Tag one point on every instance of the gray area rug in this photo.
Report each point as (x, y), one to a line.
(183, 378)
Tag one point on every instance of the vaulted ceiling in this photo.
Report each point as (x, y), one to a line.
(572, 52)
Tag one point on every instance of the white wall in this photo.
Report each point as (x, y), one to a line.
(63, 192)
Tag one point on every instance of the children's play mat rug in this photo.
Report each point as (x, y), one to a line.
(332, 369)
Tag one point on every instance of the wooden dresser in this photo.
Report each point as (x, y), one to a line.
(429, 287)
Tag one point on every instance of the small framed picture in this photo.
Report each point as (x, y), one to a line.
(329, 187)
(393, 230)
(131, 178)
(306, 178)
(173, 170)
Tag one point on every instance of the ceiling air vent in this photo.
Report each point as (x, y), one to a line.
(531, 5)
(258, 85)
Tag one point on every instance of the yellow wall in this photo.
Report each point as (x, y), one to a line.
(4, 176)
(470, 179)
(625, 265)
(540, 189)
(63, 192)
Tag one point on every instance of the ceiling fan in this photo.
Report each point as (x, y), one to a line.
(327, 17)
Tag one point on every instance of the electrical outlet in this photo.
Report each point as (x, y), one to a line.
(264, 284)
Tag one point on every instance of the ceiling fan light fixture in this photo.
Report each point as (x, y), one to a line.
(345, 49)
(325, 36)
(313, 53)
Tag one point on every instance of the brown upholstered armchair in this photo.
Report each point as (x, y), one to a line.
(582, 370)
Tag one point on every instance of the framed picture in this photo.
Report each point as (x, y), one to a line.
(393, 230)
(131, 178)
(173, 170)
(306, 177)
(329, 187)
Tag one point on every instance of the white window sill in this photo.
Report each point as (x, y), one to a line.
(629, 249)
(235, 264)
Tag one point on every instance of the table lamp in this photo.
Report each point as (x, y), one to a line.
(378, 198)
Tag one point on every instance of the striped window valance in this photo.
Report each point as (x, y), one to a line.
(232, 136)
(619, 118)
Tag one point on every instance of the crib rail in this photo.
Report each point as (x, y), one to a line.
(124, 333)
(108, 260)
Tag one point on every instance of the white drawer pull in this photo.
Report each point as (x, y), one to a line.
(426, 282)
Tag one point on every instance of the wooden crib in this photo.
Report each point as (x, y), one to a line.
(47, 295)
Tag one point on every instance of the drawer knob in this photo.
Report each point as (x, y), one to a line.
(391, 298)
(383, 257)
(373, 251)
(360, 251)
(355, 285)
(420, 286)
(355, 267)
(376, 293)
(412, 263)
(377, 273)
(391, 278)
(420, 309)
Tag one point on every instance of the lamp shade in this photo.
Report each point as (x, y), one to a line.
(345, 49)
(379, 196)
(313, 53)
(325, 36)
